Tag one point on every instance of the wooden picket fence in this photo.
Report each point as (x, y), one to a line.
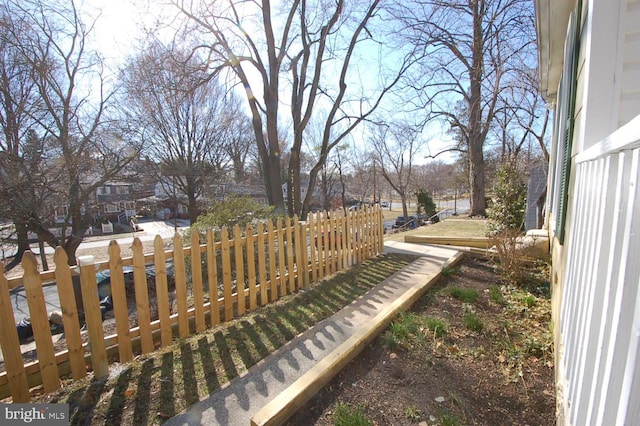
(218, 277)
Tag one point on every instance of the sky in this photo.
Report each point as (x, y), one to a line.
(121, 24)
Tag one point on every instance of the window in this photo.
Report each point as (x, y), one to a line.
(111, 208)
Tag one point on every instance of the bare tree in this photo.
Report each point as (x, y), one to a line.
(70, 117)
(182, 114)
(396, 148)
(313, 44)
(473, 47)
(239, 140)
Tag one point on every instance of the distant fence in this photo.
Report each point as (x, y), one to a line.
(216, 278)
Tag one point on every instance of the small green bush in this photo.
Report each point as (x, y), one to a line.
(509, 200)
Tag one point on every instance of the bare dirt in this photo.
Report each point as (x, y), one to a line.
(499, 375)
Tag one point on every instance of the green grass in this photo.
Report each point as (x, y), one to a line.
(448, 271)
(496, 295)
(412, 413)
(448, 419)
(473, 322)
(344, 415)
(402, 332)
(452, 227)
(436, 325)
(466, 295)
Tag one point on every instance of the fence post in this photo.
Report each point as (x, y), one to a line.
(93, 317)
(11, 345)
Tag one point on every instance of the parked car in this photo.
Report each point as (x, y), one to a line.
(384, 204)
(412, 222)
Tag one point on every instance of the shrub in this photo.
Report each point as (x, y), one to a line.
(508, 207)
(509, 259)
(425, 203)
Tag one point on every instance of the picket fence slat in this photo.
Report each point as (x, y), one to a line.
(262, 268)
(239, 258)
(212, 274)
(93, 316)
(10, 344)
(40, 322)
(250, 268)
(142, 297)
(69, 309)
(226, 275)
(162, 292)
(181, 287)
(288, 235)
(196, 278)
(120, 307)
(272, 261)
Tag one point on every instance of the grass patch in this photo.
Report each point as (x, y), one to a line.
(465, 295)
(403, 331)
(496, 295)
(413, 414)
(448, 271)
(473, 322)
(436, 325)
(448, 419)
(344, 415)
(157, 386)
(458, 227)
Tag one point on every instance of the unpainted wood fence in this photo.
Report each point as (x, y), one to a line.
(216, 278)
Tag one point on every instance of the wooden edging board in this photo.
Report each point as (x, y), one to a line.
(285, 404)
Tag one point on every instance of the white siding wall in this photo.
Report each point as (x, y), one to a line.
(630, 82)
(600, 314)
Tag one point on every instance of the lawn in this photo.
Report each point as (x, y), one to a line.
(452, 227)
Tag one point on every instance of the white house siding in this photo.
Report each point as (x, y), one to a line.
(596, 272)
(600, 312)
(630, 91)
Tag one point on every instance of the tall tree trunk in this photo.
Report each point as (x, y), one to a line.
(294, 192)
(476, 134)
(22, 243)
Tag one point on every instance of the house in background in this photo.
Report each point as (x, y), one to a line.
(114, 201)
(589, 66)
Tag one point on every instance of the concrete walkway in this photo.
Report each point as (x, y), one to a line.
(247, 396)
